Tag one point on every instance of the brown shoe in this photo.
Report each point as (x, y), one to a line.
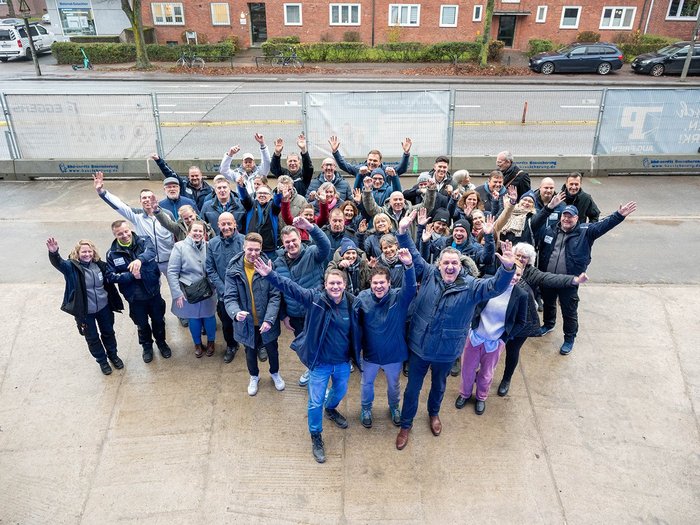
(198, 351)
(210, 348)
(435, 425)
(402, 438)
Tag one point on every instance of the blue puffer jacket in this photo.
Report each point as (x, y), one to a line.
(341, 186)
(380, 324)
(118, 260)
(213, 208)
(441, 314)
(579, 241)
(237, 298)
(306, 270)
(318, 307)
(354, 169)
(220, 251)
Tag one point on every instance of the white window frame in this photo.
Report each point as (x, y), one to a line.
(477, 13)
(669, 16)
(408, 7)
(510, 1)
(340, 7)
(228, 14)
(456, 8)
(578, 16)
(161, 6)
(602, 16)
(286, 20)
(541, 16)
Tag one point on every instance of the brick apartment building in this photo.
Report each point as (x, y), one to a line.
(37, 8)
(428, 21)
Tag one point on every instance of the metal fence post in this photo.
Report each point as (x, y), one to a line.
(159, 133)
(304, 116)
(596, 137)
(451, 123)
(10, 134)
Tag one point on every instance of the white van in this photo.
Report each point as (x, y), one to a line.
(14, 41)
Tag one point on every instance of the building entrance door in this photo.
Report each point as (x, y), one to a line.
(258, 24)
(506, 29)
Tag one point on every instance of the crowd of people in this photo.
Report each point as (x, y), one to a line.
(442, 277)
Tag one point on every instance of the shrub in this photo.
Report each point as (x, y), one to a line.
(495, 50)
(452, 51)
(635, 43)
(351, 36)
(94, 39)
(284, 40)
(588, 36)
(401, 52)
(108, 53)
(537, 45)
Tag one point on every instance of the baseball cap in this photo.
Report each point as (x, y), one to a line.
(170, 180)
(248, 156)
(573, 210)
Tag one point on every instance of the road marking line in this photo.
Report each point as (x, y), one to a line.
(182, 112)
(168, 95)
(292, 104)
(205, 124)
(579, 107)
(467, 106)
(467, 123)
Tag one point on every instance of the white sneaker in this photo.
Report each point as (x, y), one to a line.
(279, 382)
(253, 385)
(304, 379)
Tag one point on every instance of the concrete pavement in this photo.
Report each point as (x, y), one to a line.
(609, 434)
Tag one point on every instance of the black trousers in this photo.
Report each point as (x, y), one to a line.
(140, 313)
(512, 356)
(226, 325)
(251, 355)
(568, 301)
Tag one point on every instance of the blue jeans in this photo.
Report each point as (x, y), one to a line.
(195, 327)
(392, 371)
(318, 381)
(417, 369)
(103, 343)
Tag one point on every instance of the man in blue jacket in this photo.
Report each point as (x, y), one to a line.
(173, 199)
(566, 249)
(193, 186)
(325, 345)
(442, 312)
(131, 264)
(380, 315)
(220, 250)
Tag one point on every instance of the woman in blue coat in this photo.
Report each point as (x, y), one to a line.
(90, 299)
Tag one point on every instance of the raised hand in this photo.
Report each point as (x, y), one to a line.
(155, 156)
(427, 232)
(372, 262)
(626, 209)
(240, 181)
(279, 146)
(262, 267)
(301, 142)
(507, 257)
(357, 195)
(556, 200)
(259, 139)
(286, 194)
(512, 193)
(488, 225)
(321, 195)
(390, 172)
(52, 244)
(362, 227)
(405, 223)
(406, 145)
(364, 170)
(302, 224)
(423, 218)
(311, 197)
(98, 180)
(367, 181)
(334, 143)
(432, 184)
(468, 208)
(233, 150)
(405, 256)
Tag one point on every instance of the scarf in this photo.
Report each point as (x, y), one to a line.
(516, 222)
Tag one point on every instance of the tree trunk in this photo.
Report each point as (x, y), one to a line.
(484, 53)
(11, 9)
(134, 16)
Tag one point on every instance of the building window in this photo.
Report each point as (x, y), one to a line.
(292, 14)
(685, 9)
(478, 11)
(404, 15)
(617, 17)
(220, 15)
(169, 14)
(570, 17)
(448, 15)
(345, 14)
(541, 17)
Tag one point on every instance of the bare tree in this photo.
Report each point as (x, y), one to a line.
(132, 9)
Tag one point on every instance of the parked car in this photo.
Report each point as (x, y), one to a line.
(45, 19)
(11, 22)
(14, 41)
(668, 60)
(580, 57)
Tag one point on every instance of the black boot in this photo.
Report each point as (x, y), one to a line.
(317, 447)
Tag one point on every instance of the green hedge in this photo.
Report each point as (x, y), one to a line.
(635, 44)
(94, 39)
(539, 45)
(393, 52)
(108, 53)
(284, 40)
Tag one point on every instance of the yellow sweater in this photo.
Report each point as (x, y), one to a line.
(249, 272)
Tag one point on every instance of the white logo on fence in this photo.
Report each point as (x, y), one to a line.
(635, 118)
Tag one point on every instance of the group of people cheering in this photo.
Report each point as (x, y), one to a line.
(441, 277)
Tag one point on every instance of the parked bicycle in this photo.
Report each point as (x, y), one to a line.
(288, 58)
(189, 60)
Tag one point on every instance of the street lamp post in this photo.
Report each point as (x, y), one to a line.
(25, 10)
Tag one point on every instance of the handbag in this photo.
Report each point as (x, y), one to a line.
(198, 292)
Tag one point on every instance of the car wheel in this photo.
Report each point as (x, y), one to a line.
(604, 68)
(4, 59)
(657, 70)
(547, 68)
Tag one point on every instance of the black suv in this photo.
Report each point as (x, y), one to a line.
(669, 59)
(581, 57)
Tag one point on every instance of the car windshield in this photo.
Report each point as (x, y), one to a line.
(566, 50)
(671, 50)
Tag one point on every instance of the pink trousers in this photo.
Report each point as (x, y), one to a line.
(476, 358)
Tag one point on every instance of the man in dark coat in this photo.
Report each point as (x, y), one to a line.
(512, 174)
